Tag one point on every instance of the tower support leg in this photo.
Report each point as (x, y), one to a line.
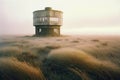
(58, 31)
(36, 30)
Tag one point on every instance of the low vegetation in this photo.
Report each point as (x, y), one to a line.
(62, 58)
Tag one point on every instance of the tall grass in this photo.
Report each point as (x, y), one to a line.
(96, 69)
(10, 51)
(61, 58)
(12, 69)
(30, 58)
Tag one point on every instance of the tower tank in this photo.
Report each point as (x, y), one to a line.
(47, 22)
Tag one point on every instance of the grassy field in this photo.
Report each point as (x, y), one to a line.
(60, 58)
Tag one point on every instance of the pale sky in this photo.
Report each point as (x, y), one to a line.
(79, 16)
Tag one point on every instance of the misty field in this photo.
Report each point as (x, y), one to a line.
(60, 58)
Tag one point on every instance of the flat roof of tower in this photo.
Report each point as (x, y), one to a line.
(48, 9)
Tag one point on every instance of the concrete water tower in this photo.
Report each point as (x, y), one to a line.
(47, 22)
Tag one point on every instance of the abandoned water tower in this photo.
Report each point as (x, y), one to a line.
(47, 22)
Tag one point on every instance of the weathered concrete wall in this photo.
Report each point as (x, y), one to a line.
(40, 17)
(47, 17)
(47, 22)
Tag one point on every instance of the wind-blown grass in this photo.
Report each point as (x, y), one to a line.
(72, 59)
(60, 58)
(12, 69)
(10, 51)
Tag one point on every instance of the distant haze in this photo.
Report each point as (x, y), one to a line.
(79, 16)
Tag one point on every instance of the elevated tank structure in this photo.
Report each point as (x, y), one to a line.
(47, 22)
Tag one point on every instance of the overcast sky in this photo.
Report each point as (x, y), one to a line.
(80, 16)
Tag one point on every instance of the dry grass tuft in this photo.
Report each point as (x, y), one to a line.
(53, 46)
(78, 72)
(29, 57)
(75, 41)
(10, 51)
(12, 69)
(95, 40)
(104, 44)
(45, 49)
(75, 58)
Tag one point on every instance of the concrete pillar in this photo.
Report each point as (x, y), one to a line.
(37, 30)
(59, 31)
